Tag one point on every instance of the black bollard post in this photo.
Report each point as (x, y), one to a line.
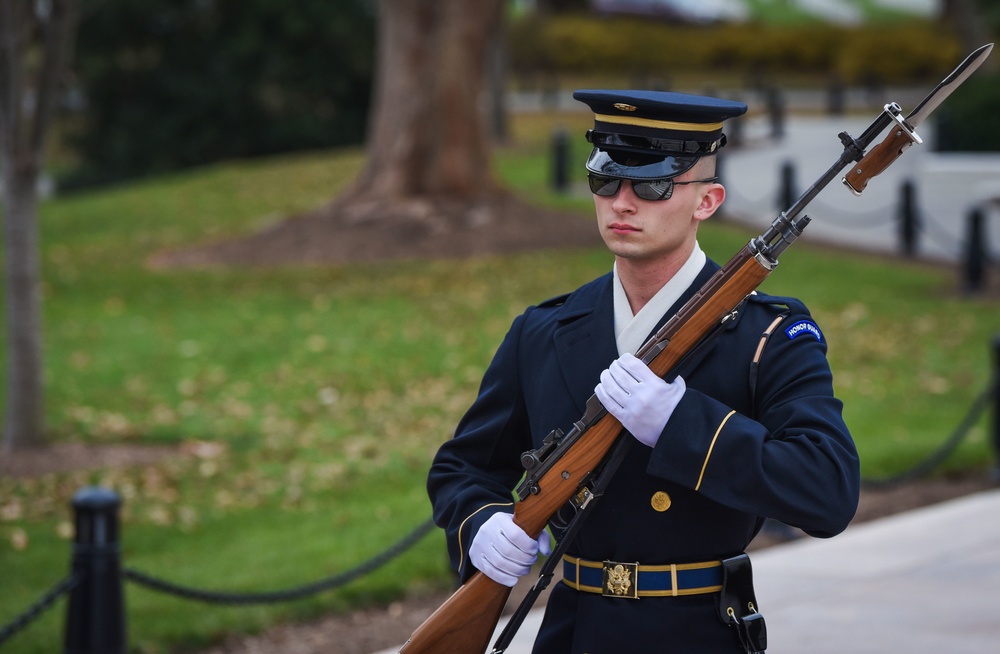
(560, 160)
(776, 110)
(909, 220)
(835, 96)
(95, 622)
(734, 137)
(787, 193)
(975, 251)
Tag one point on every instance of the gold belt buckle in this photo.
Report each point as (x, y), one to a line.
(620, 580)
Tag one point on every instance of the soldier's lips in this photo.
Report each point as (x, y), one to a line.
(623, 228)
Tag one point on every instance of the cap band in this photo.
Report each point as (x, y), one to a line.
(658, 124)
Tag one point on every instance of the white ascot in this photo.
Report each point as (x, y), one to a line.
(631, 331)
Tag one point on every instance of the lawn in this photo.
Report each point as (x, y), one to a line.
(309, 401)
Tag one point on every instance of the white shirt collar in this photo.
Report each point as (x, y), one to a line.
(631, 331)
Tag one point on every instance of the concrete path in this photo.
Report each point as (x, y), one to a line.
(922, 582)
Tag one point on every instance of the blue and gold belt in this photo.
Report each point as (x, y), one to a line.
(632, 580)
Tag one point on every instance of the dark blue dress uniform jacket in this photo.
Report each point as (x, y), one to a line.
(782, 452)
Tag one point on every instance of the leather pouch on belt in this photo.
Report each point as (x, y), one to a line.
(738, 604)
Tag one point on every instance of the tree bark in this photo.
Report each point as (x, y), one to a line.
(429, 134)
(23, 419)
(22, 142)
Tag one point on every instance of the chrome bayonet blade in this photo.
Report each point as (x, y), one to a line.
(948, 85)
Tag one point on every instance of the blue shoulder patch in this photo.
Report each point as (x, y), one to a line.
(804, 327)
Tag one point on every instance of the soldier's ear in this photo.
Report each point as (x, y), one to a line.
(713, 195)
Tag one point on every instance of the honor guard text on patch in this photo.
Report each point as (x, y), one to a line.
(802, 328)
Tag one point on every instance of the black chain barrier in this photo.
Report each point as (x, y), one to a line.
(71, 582)
(935, 458)
(298, 592)
(39, 607)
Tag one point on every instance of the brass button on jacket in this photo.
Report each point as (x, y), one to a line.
(660, 501)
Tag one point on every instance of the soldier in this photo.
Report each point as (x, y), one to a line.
(749, 429)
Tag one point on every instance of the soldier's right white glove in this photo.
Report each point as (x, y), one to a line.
(504, 552)
(642, 401)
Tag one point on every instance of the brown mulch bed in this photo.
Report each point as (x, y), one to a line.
(66, 457)
(421, 228)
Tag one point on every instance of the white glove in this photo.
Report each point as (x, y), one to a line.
(641, 400)
(503, 551)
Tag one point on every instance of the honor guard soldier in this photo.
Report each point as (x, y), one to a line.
(745, 429)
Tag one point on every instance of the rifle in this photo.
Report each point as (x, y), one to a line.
(558, 472)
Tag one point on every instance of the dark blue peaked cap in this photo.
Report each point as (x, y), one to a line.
(654, 134)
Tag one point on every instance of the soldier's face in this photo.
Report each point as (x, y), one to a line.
(648, 230)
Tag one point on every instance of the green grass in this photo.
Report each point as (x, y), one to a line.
(310, 401)
(786, 12)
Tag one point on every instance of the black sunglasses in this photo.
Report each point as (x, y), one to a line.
(646, 189)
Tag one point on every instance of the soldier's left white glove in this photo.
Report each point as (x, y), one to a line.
(641, 400)
(502, 551)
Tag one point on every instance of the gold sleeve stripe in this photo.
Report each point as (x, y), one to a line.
(659, 124)
(461, 549)
(711, 447)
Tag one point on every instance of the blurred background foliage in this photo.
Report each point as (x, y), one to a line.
(583, 44)
(162, 85)
(168, 84)
(969, 121)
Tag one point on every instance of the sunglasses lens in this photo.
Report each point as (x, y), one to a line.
(604, 186)
(657, 189)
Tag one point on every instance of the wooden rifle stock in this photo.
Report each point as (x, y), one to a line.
(467, 619)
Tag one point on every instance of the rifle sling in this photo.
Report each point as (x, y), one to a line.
(600, 483)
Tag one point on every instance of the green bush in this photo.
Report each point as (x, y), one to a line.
(969, 121)
(168, 84)
(580, 44)
(897, 55)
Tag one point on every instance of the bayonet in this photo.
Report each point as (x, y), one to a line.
(903, 133)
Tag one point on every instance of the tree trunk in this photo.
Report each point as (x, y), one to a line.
(427, 189)
(429, 134)
(35, 42)
(23, 419)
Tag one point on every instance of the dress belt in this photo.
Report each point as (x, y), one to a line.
(632, 580)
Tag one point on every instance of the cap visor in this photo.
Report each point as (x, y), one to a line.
(630, 165)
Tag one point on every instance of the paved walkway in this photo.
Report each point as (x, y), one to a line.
(947, 187)
(922, 582)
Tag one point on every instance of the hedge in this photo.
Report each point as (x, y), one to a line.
(906, 52)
